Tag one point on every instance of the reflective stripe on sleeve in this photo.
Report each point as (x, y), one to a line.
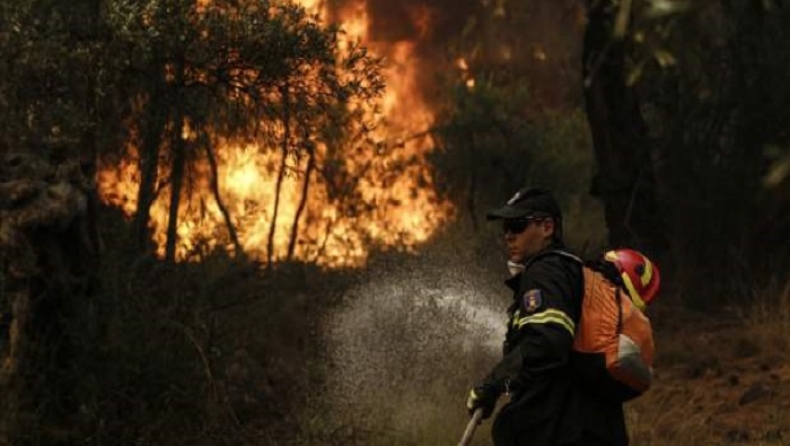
(550, 315)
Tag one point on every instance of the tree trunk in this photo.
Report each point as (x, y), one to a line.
(178, 145)
(281, 173)
(625, 181)
(47, 274)
(155, 122)
(215, 190)
(302, 203)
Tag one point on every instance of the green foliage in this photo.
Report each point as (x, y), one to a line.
(508, 121)
(491, 145)
(779, 171)
(482, 132)
(44, 87)
(238, 56)
(715, 113)
(710, 91)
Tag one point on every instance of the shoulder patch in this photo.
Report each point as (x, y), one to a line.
(532, 300)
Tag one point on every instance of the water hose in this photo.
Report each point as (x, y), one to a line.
(470, 428)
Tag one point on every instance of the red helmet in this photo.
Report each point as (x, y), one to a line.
(640, 276)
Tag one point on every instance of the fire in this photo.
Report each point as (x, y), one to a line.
(354, 19)
(463, 66)
(395, 187)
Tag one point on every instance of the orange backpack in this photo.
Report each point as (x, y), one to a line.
(613, 345)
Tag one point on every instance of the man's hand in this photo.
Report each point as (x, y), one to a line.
(483, 395)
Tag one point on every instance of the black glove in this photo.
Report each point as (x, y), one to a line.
(483, 395)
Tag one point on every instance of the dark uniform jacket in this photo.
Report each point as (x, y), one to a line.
(549, 405)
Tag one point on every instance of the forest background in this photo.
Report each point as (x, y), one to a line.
(221, 226)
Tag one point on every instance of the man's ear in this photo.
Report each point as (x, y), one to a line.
(548, 227)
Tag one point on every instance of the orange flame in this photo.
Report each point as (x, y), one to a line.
(404, 209)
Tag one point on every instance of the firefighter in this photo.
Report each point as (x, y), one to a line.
(549, 405)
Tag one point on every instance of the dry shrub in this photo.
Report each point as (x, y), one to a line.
(769, 316)
(211, 353)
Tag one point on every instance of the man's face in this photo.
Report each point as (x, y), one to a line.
(525, 237)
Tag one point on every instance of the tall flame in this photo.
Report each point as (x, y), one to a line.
(403, 209)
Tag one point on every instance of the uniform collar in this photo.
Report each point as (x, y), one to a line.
(516, 269)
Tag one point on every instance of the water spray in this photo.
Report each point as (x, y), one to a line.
(406, 345)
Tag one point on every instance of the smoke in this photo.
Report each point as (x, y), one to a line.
(431, 25)
(432, 22)
(539, 41)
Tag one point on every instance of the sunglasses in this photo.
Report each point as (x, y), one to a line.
(518, 225)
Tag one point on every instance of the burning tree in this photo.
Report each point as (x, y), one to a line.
(242, 125)
(257, 129)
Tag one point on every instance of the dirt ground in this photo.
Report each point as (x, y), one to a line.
(719, 380)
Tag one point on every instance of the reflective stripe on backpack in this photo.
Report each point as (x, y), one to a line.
(613, 328)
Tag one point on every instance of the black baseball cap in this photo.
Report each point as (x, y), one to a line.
(528, 202)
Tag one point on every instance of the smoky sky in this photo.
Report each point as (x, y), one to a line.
(393, 21)
(542, 39)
